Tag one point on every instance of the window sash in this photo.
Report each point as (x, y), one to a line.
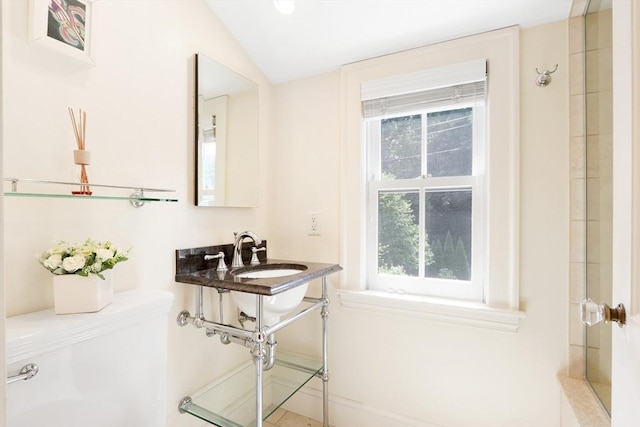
(421, 285)
(458, 289)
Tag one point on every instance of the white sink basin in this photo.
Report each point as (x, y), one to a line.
(274, 306)
(263, 274)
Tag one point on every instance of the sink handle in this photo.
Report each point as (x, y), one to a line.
(254, 256)
(222, 266)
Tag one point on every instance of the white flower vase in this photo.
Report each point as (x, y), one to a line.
(76, 294)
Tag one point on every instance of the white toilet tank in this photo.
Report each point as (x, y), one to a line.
(105, 369)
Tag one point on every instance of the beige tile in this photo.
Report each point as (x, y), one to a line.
(576, 34)
(576, 73)
(291, 419)
(592, 336)
(593, 199)
(593, 113)
(578, 205)
(593, 281)
(576, 328)
(578, 241)
(592, 71)
(604, 29)
(606, 112)
(599, 110)
(275, 417)
(576, 115)
(599, 156)
(606, 154)
(593, 156)
(605, 69)
(577, 278)
(606, 198)
(593, 364)
(593, 241)
(592, 28)
(606, 283)
(576, 361)
(588, 411)
(606, 242)
(578, 157)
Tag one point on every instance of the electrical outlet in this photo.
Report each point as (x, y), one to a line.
(313, 224)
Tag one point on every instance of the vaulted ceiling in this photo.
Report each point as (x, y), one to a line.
(321, 35)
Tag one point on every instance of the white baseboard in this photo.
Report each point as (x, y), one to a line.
(347, 413)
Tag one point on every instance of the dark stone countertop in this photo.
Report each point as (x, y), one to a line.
(262, 286)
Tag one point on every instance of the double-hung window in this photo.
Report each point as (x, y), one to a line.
(426, 154)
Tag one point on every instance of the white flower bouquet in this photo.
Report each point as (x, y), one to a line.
(90, 257)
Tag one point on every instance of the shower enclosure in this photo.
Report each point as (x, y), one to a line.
(599, 189)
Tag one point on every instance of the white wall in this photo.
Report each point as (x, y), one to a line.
(139, 99)
(418, 372)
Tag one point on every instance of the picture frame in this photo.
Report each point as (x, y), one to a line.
(63, 25)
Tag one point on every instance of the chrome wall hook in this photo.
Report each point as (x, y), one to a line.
(544, 78)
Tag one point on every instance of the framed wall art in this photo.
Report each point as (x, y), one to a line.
(62, 25)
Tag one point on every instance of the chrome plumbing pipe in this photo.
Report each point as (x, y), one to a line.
(226, 338)
(220, 302)
(199, 316)
(184, 318)
(232, 330)
(272, 329)
(270, 358)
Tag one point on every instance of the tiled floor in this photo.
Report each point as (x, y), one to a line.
(282, 418)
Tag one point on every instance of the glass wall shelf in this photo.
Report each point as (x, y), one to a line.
(230, 402)
(60, 190)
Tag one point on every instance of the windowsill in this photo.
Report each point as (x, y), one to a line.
(465, 313)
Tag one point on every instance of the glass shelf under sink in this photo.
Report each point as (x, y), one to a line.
(230, 402)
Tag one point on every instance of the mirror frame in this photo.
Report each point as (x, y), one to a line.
(241, 153)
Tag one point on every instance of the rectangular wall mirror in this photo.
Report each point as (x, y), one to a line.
(226, 136)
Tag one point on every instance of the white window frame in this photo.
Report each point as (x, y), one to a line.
(500, 307)
(457, 289)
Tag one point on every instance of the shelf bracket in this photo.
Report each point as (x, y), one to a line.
(184, 404)
(137, 194)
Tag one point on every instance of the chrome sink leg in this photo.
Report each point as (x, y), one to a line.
(325, 354)
(258, 355)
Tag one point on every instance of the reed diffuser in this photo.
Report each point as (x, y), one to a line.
(81, 156)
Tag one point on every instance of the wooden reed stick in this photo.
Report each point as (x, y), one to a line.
(80, 133)
(84, 128)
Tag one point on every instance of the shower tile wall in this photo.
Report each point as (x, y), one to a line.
(578, 195)
(590, 130)
(599, 175)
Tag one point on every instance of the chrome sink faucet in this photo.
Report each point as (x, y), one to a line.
(237, 247)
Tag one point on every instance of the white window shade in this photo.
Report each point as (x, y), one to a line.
(463, 82)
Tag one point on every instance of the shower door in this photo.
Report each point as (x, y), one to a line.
(613, 230)
(599, 181)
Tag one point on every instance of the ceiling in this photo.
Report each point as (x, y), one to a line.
(321, 35)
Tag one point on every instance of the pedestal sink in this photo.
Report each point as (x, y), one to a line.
(273, 306)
